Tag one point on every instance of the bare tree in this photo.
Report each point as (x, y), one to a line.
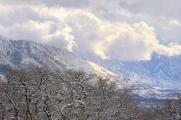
(40, 94)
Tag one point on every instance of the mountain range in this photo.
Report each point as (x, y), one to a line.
(159, 77)
(160, 72)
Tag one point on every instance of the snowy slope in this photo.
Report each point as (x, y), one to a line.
(22, 54)
(160, 77)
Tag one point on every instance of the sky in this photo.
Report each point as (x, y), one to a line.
(129, 30)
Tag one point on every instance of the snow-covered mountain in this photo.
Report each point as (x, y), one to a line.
(158, 77)
(21, 54)
(160, 72)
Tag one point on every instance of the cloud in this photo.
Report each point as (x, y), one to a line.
(35, 23)
(132, 42)
(155, 8)
(63, 3)
(139, 39)
(62, 37)
(109, 32)
(171, 50)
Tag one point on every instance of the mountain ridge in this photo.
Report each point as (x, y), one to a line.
(22, 54)
(17, 54)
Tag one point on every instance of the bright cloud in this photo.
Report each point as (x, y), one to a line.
(103, 28)
(132, 42)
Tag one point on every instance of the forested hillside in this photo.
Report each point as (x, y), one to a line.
(39, 94)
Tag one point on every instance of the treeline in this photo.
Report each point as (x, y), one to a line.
(39, 94)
